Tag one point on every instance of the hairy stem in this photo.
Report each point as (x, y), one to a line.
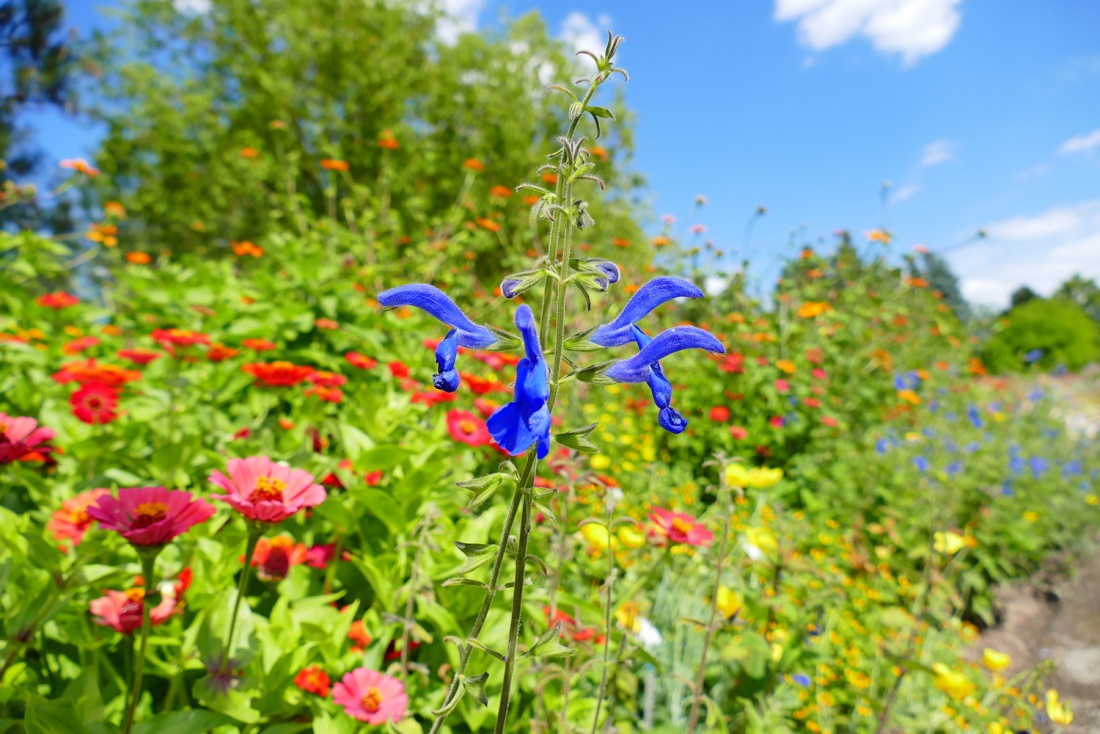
(246, 573)
(602, 691)
(517, 614)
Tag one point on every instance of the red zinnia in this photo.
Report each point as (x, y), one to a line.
(398, 369)
(327, 379)
(139, 356)
(467, 428)
(220, 353)
(90, 371)
(259, 345)
(95, 403)
(720, 414)
(179, 337)
(78, 345)
(738, 433)
(273, 558)
(327, 394)
(277, 374)
(150, 515)
(433, 397)
(313, 680)
(57, 301)
(361, 361)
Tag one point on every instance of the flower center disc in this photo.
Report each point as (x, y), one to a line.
(681, 525)
(372, 701)
(148, 513)
(267, 488)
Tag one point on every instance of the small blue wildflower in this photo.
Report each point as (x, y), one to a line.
(950, 446)
(463, 332)
(953, 468)
(792, 400)
(1016, 465)
(971, 447)
(526, 420)
(934, 406)
(649, 296)
(1038, 466)
(1035, 395)
(1060, 370)
(951, 417)
(1006, 488)
(928, 433)
(882, 446)
(921, 463)
(974, 416)
(899, 382)
(1033, 356)
(802, 680)
(1072, 469)
(995, 406)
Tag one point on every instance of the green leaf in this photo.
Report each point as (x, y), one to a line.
(578, 439)
(549, 646)
(600, 112)
(52, 717)
(476, 686)
(477, 555)
(194, 721)
(594, 373)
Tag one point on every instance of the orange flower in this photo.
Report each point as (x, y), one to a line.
(387, 140)
(488, 224)
(598, 151)
(246, 248)
(139, 258)
(220, 353)
(620, 242)
(879, 235)
(909, 396)
(786, 365)
(114, 209)
(277, 374)
(359, 635)
(327, 394)
(72, 521)
(259, 345)
(90, 371)
(104, 234)
(249, 152)
(81, 166)
(976, 367)
(328, 324)
(286, 424)
(918, 282)
(334, 164)
(531, 199)
(550, 177)
(273, 558)
(474, 164)
(661, 241)
(314, 680)
(810, 309)
(502, 192)
(806, 253)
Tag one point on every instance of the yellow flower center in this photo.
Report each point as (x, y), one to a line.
(267, 488)
(148, 513)
(372, 701)
(681, 525)
(467, 426)
(135, 595)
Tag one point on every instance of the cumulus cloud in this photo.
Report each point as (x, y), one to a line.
(938, 151)
(580, 33)
(460, 17)
(1040, 251)
(1081, 144)
(909, 28)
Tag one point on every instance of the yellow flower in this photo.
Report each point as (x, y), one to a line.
(764, 477)
(759, 542)
(954, 684)
(729, 602)
(949, 543)
(995, 661)
(913, 437)
(737, 476)
(1031, 516)
(1092, 499)
(598, 537)
(1058, 712)
(600, 461)
(631, 536)
(627, 616)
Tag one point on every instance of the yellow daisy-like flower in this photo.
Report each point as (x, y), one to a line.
(631, 536)
(627, 617)
(1031, 516)
(600, 462)
(949, 543)
(598, 537)
(729, 602)
(1057, 711)
(954, 684)
(737, 475)
(995, 661)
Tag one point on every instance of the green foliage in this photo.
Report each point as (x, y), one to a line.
(1059, 328)
(1084, 292)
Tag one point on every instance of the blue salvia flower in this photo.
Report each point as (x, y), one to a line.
(670, 419)
(1035, 395)
(1072, 469)
(670, 341)
(899, 382)
(801, 679)
(463, 333)
(649, 296)
(1006, 488)
(526, 420)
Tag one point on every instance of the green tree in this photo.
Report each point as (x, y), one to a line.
(219, 126)
(1084, 292)
(1057, 330)
(1022, 295)
(937, 271)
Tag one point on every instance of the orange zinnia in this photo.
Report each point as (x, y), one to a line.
(474, 164)
(620, 242)
(661, 241)
(81, 166)
(387, 140)
(139, 258)
(334, 164)
(246, 248)
(249, 152)
(501, 191)
(488, 224)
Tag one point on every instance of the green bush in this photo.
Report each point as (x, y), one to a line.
(1060, 329)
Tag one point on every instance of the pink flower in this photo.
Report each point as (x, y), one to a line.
(738, 433)
(922, 249)
(319, 556)
(72, 520)
(19, 436)
(819, 374)
(782, 385)
(122, 610)
(698, 228)
(668, 219)
(777, 421)
(264, 491)
(150, 515)
(370, 696)
(680, 527)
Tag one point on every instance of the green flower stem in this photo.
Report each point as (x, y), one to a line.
(602, 691)
(517, 614)
(526, 481)
(254, 533)
(148, 569)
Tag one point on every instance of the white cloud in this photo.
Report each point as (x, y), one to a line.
(580, 33)
(1081, 143)
(460, 17)
(938, 151)
(910, 28)
(1039, 251)
(196, 7)
(904, 193)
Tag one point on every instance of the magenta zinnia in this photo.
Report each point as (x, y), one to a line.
(19, 436)
(150, 515)
(264, 491)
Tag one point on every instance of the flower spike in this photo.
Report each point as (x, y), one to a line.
(670, 419)
(676, 339)
(526, 420)
(649, 296)
(463, 332)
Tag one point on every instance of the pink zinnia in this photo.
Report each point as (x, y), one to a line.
(680, 527)
(262, 490)
(19, 436)
(150, 515)
(370, 696)
(72, 520)
(122, 610)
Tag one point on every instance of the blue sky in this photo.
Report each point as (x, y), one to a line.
(980, 114)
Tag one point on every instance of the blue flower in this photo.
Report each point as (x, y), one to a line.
(921, 463)
(463, 333)
(802, 680)
(1016, 465)
(953, 468)
(882, 446)
(670, 341)
(649, 296)
(974, 415)
(1006, 488)
(1072, 469)
(972, 447)
(899, 382)
(1038, 466)
(670, 419)
(1033, 356)
(519, 424)
(1035, 395)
